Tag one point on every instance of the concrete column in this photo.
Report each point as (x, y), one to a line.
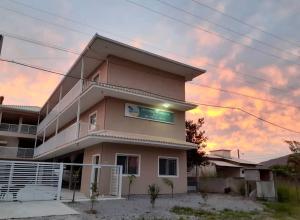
(57, 124)
(60, 92)
(47, 108)
(82, 73)
(44, 135)
(20, 124)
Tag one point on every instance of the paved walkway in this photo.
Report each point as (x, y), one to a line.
(9, 210)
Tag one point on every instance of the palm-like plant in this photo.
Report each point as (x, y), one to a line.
(131, 178)
(94, 196)
(153, 191)
(169, 183)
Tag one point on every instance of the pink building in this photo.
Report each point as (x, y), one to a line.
(120, 105)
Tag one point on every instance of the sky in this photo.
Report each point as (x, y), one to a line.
(260, 60)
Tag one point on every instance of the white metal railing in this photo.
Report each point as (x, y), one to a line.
(9, 127)
(28, 129)
(65, 136)
(24, 128)
(61, 105)
(26, 181)
(16, 152)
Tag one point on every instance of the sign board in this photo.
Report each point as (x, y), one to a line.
(147, 113)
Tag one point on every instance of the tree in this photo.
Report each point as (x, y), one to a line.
(294, 162)
(94, 195)
(194, 134)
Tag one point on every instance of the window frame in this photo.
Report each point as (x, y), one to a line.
(128, 154)
(89, 124)
(177, 166)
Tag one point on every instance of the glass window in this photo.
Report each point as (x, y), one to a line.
(167, 166)
(93, 121)
(129, 163)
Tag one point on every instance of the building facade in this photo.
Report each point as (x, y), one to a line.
(120, 105)
(18, 125)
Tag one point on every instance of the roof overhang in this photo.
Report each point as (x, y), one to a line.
(93, 139)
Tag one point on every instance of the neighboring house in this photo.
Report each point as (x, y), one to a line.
(18, 126)
(120, 105)
(222, 164)
(276, 161)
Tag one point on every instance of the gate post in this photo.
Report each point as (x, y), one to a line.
(61, 170)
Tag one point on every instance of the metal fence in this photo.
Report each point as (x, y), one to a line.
(28, 181)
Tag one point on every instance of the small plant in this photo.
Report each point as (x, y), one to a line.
(169, 183)
(93, 197)
(131, 178)
(153, 191)
(75, 179)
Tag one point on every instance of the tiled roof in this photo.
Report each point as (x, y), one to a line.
(21, 108)
(232, 159)
(224, 164)
(143, 139)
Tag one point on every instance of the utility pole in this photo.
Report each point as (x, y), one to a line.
(1, 42)
(238, 153)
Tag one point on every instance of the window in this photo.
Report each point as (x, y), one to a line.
(93, 121)
(168, 166)
(130, 163)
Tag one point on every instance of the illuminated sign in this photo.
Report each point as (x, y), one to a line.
(147, 113)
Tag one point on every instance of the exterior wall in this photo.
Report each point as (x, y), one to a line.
(228, 172)
(102, 71)
(11, 141)
(99, 108)
(218, 185)
(129, 74)
(203, 171)
(148, 167)
(115, 120)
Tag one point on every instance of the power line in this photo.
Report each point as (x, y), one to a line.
(202, 104)
(245, 95)
(226, 28)
(72, 29)
(253, 115)
(223, 90)
(211, 32)
(247, 24)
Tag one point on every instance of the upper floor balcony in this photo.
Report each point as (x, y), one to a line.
(16, 152)
(90, 93)
(25, 130)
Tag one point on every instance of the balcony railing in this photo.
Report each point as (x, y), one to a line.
(24, 128)
(16, 152)
(65, 136)
(61, 105)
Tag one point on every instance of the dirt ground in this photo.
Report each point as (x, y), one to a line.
(138, 207)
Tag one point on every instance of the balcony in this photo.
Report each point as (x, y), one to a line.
(61, 105)
(16, 152)
(65, 136)
(19, 128)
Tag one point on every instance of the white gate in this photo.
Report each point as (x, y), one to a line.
(27, 181)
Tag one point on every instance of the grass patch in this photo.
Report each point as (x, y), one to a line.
(218, 215)
(283, 211)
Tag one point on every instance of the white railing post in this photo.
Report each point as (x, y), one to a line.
(61, 170)
(120, 181)
(10, 177)
(36, 173)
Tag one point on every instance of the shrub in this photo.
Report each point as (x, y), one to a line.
(131, 178)
(169, 183)
(153, 191)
